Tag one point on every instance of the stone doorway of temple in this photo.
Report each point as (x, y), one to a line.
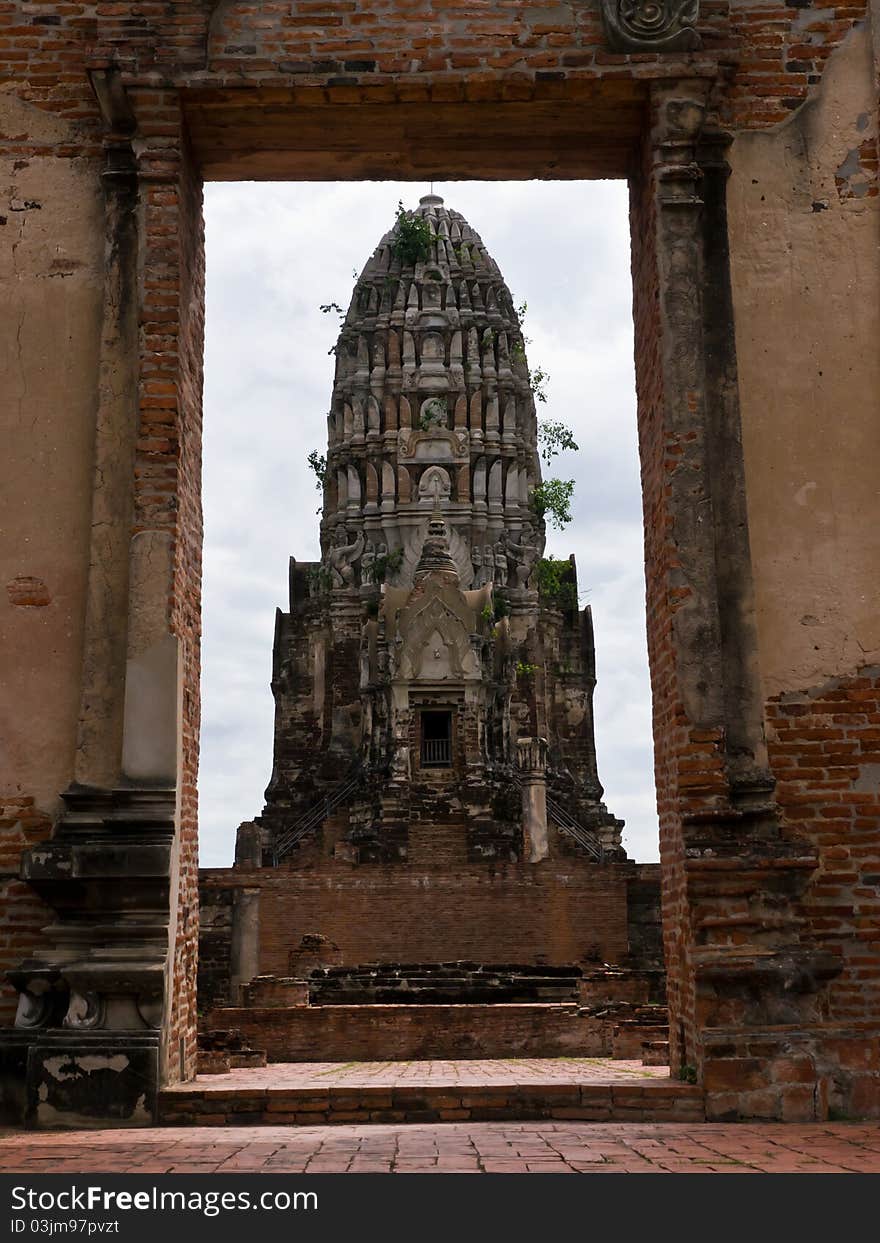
(433, 759)
(770, 999)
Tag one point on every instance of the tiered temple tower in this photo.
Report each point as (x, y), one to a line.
(433, 688)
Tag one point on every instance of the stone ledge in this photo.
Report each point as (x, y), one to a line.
(659, 1101)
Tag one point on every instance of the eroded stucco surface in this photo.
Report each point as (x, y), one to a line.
(50, 266)
(805, 235)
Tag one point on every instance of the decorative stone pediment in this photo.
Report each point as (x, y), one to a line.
(434, 644)
(435, 485)
(440, 444)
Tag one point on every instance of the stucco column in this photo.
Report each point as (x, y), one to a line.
(709, 571)
(531, 756)
(245, 946)
(99, 734)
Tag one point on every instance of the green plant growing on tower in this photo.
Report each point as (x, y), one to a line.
(319, 578)
(318, 463)
(551, 500)
(553, 438)
(433, 414)
(525, 670)
(538, 377)
(385, 564)
(555, 585)
(412, 240)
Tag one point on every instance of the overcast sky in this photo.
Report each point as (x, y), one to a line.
(275, 253)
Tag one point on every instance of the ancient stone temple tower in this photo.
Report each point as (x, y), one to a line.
(433, 683)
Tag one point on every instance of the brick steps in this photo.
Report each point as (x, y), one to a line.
(650, 1101)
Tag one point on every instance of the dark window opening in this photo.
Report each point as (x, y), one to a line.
(436, 739)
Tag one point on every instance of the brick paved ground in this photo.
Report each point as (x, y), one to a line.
(490, 1147)
(505, 1072)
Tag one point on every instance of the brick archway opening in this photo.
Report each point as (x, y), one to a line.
(745, 984)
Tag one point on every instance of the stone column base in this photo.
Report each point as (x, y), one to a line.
(58, 1078)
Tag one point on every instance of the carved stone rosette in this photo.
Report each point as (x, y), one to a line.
(651, 25)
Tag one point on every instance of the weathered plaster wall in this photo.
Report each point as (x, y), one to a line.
(51, 255)
(805, 231)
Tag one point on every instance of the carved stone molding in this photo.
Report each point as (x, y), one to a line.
(42, 999)
(151, 1008)
(86, 1010)
(531, 756)
(651, 25)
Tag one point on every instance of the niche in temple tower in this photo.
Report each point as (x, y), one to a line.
(420, 677)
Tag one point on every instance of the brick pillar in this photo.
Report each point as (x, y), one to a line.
(113, 989)
(730, 879)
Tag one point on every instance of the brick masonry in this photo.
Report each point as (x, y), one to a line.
(554, 914)
(825, 749)
(446, 51)
(655, 1101)
(22, 914)
(365, 1033)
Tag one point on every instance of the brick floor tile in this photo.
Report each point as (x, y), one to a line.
(505, 1147)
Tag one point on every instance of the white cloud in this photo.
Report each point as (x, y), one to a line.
(275, 253)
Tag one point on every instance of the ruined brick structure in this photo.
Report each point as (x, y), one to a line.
(749, 138)
(420, 676)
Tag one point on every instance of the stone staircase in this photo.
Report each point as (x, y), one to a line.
(398, 1011)
(632, 1004)
(224, 1049)
(450, 983)
(260, 1101)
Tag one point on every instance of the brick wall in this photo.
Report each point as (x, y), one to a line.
(186, 613)
(215, 945)
(22, 914)
(825, 750)
(512, 913)
(444, 50)
(404, 1033)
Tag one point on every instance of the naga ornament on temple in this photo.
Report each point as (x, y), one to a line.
(651, 25)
